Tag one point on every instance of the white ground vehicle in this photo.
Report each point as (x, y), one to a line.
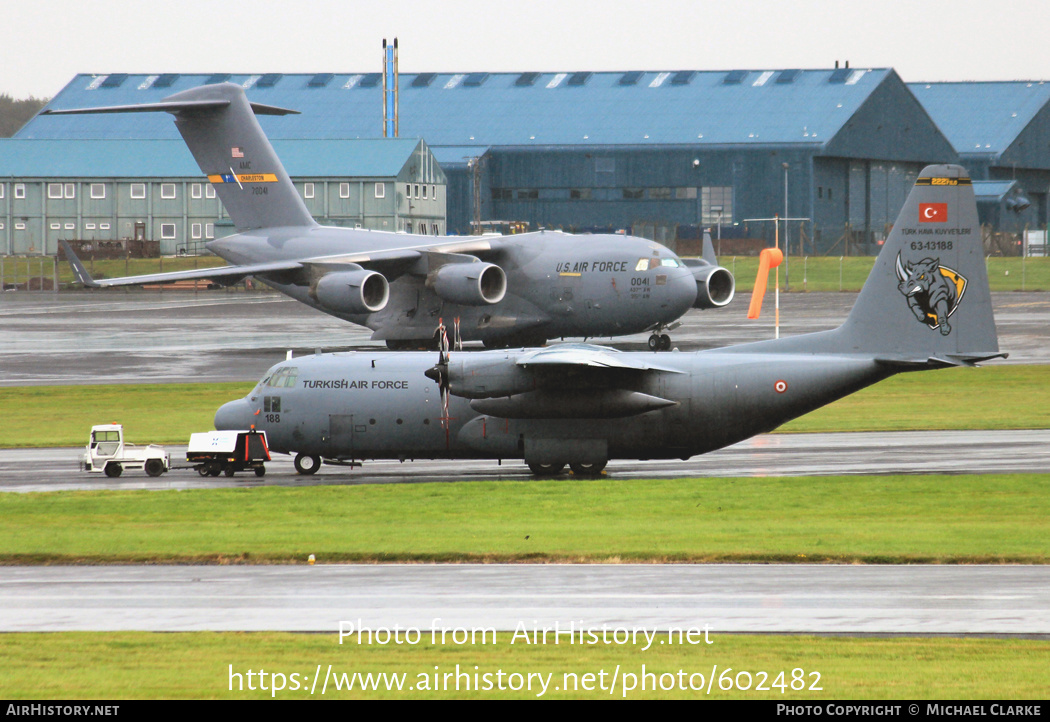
(107, 452)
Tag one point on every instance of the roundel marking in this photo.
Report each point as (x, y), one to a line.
(780, 386)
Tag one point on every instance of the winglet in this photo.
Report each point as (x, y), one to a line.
(78, 268)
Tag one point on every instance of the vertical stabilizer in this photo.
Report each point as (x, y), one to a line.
(219, 126)
(927, 296)
(231, 148)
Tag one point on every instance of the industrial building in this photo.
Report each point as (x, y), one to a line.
(1001, 134)
(660, 154)
(152, 190)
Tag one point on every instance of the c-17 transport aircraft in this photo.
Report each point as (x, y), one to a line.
(521, 289)
(926, 305)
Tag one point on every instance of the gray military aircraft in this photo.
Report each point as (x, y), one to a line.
(521, 289)
(925, 305)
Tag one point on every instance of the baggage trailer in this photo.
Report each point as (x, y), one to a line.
(227, 452)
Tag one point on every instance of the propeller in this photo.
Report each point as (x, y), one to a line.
(439, 374)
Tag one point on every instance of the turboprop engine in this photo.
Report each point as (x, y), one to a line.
(471, 284)
(356, 291)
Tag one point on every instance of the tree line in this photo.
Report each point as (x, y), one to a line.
(16, 113)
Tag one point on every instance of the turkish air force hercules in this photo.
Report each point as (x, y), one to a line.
(926, 305)
(504, 290)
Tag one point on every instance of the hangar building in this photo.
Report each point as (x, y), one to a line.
(1001, 134)
(655, 153)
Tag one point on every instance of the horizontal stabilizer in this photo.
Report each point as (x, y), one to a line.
(934, 362)
(184, 106)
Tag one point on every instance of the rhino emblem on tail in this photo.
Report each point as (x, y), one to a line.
(933, 291)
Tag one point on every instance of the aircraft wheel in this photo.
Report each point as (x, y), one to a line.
(307, 464)
(587, 470)
(114, 470)
(654, 343)
(154, 467)
(260, 471)
(546, 469)
(229, 471)
(665, 342)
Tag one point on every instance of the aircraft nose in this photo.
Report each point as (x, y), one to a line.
(234, 415)
(683, 292)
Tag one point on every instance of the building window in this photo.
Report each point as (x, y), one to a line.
(54, 190)
(98, 191)
(683, 193)
(209, 191)
(659, 194)
(417, 191)
(380, 190)
(89, 226)
(716, 204)
(2, 186)
(103, 226)
(138, 190)
(167, 192)
(20, 190)
(422, 229)
(195, 230)
(308, 190)
(434, 229)
(167, 230)
(424, 192)
(829, 194)
(195, 190)
(70, 190)
(209, 230)
(528, 194)
(580, 194)
(20, 226)
(56, 226)
(632, 194)
(344, 190)
(71, 226)
(502, 194)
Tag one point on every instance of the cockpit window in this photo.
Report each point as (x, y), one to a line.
(642, 265)
(669, 263)
(284, 378)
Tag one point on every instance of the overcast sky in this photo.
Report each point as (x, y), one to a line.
(47, 42)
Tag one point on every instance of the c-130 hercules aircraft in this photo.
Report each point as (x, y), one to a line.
(521, 289)
(925, 305)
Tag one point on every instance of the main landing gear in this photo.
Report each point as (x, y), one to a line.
(586, 471)
(661, 342)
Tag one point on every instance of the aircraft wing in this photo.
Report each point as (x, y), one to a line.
(223, 274)
(586, 356)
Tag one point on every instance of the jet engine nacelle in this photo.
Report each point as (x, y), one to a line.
(359, 291)
(471, 284)
(715, 286)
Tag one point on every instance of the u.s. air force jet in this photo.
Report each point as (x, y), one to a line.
(521, 289)
(926, 305)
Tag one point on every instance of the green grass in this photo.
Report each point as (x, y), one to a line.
(994, 397)
(881, 519)
(824, 273)
(136, 665)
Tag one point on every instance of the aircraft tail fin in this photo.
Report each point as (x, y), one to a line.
(221, 130)
(709, 250)
(927, 299)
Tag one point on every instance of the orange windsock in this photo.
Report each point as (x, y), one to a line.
(768, 258)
